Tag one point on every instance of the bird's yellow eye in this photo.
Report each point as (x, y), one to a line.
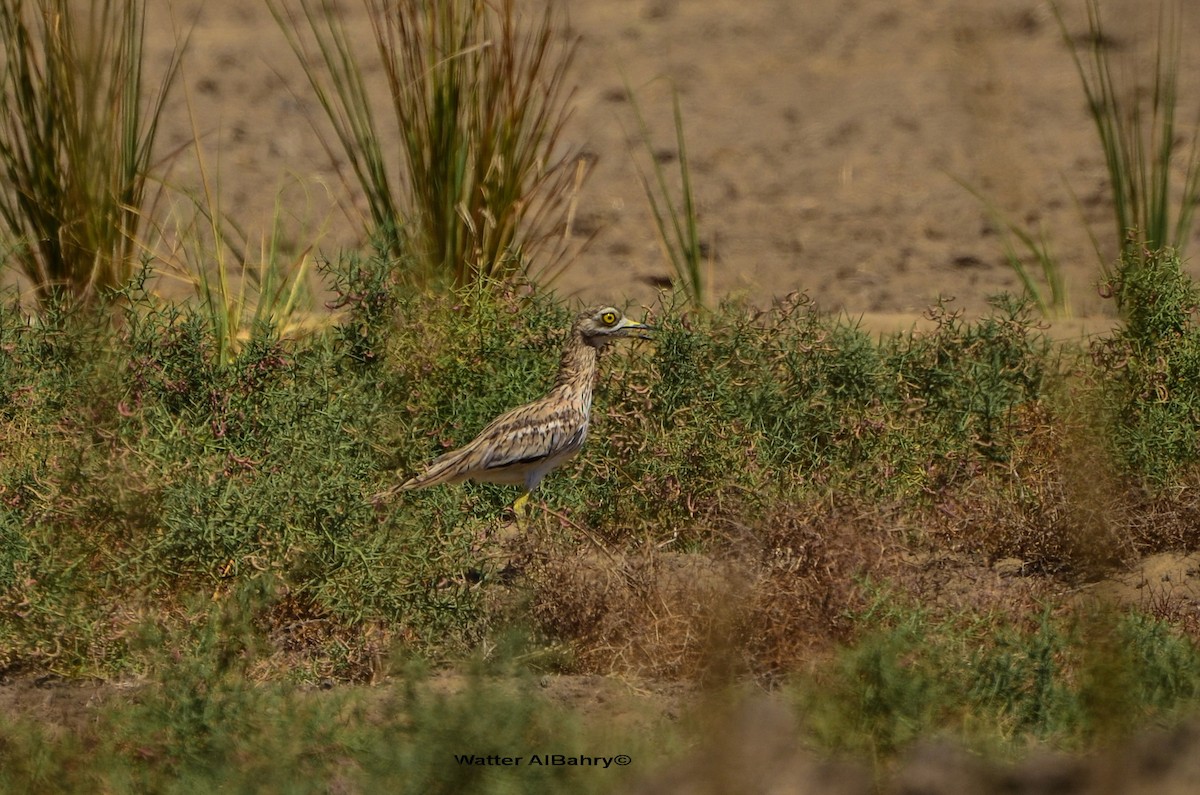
(609, 318)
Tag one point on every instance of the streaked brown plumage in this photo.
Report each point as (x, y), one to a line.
(521, 446)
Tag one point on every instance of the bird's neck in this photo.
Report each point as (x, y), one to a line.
(577, 369)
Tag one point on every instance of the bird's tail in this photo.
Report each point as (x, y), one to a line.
(434, 475)
(446, 469)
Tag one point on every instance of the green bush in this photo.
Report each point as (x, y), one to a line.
(142, 470)
(202, 472)
(737, 407)
(1149, 370)
(1063, 678)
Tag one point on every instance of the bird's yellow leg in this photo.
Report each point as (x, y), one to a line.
(521, 507)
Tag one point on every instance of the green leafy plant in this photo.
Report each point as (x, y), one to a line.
(210, 529)
(480, 96)
(1150, 368)
(815, 399)
(76, 138)
(996, 682)
(200, 722)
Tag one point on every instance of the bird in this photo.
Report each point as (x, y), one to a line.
(522, 446)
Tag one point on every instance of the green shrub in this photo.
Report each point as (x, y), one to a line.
(268, 463)
(1062, 678)
(142, 469)
(737, 407)
(1149, 370)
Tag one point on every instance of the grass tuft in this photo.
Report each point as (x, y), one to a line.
(480, 95)
(76, 140)
(1140, 143)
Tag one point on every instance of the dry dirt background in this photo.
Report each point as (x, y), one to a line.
(823, 135)
(823, 138)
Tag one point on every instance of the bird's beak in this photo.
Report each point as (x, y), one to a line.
(631, 328)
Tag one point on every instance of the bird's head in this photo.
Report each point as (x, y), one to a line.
(599, 326)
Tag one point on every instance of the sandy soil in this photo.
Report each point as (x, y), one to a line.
(825, 139)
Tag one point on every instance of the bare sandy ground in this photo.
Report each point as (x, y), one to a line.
(825, 138)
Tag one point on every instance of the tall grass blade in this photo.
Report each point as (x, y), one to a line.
(1050, 294)
(676, 222)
